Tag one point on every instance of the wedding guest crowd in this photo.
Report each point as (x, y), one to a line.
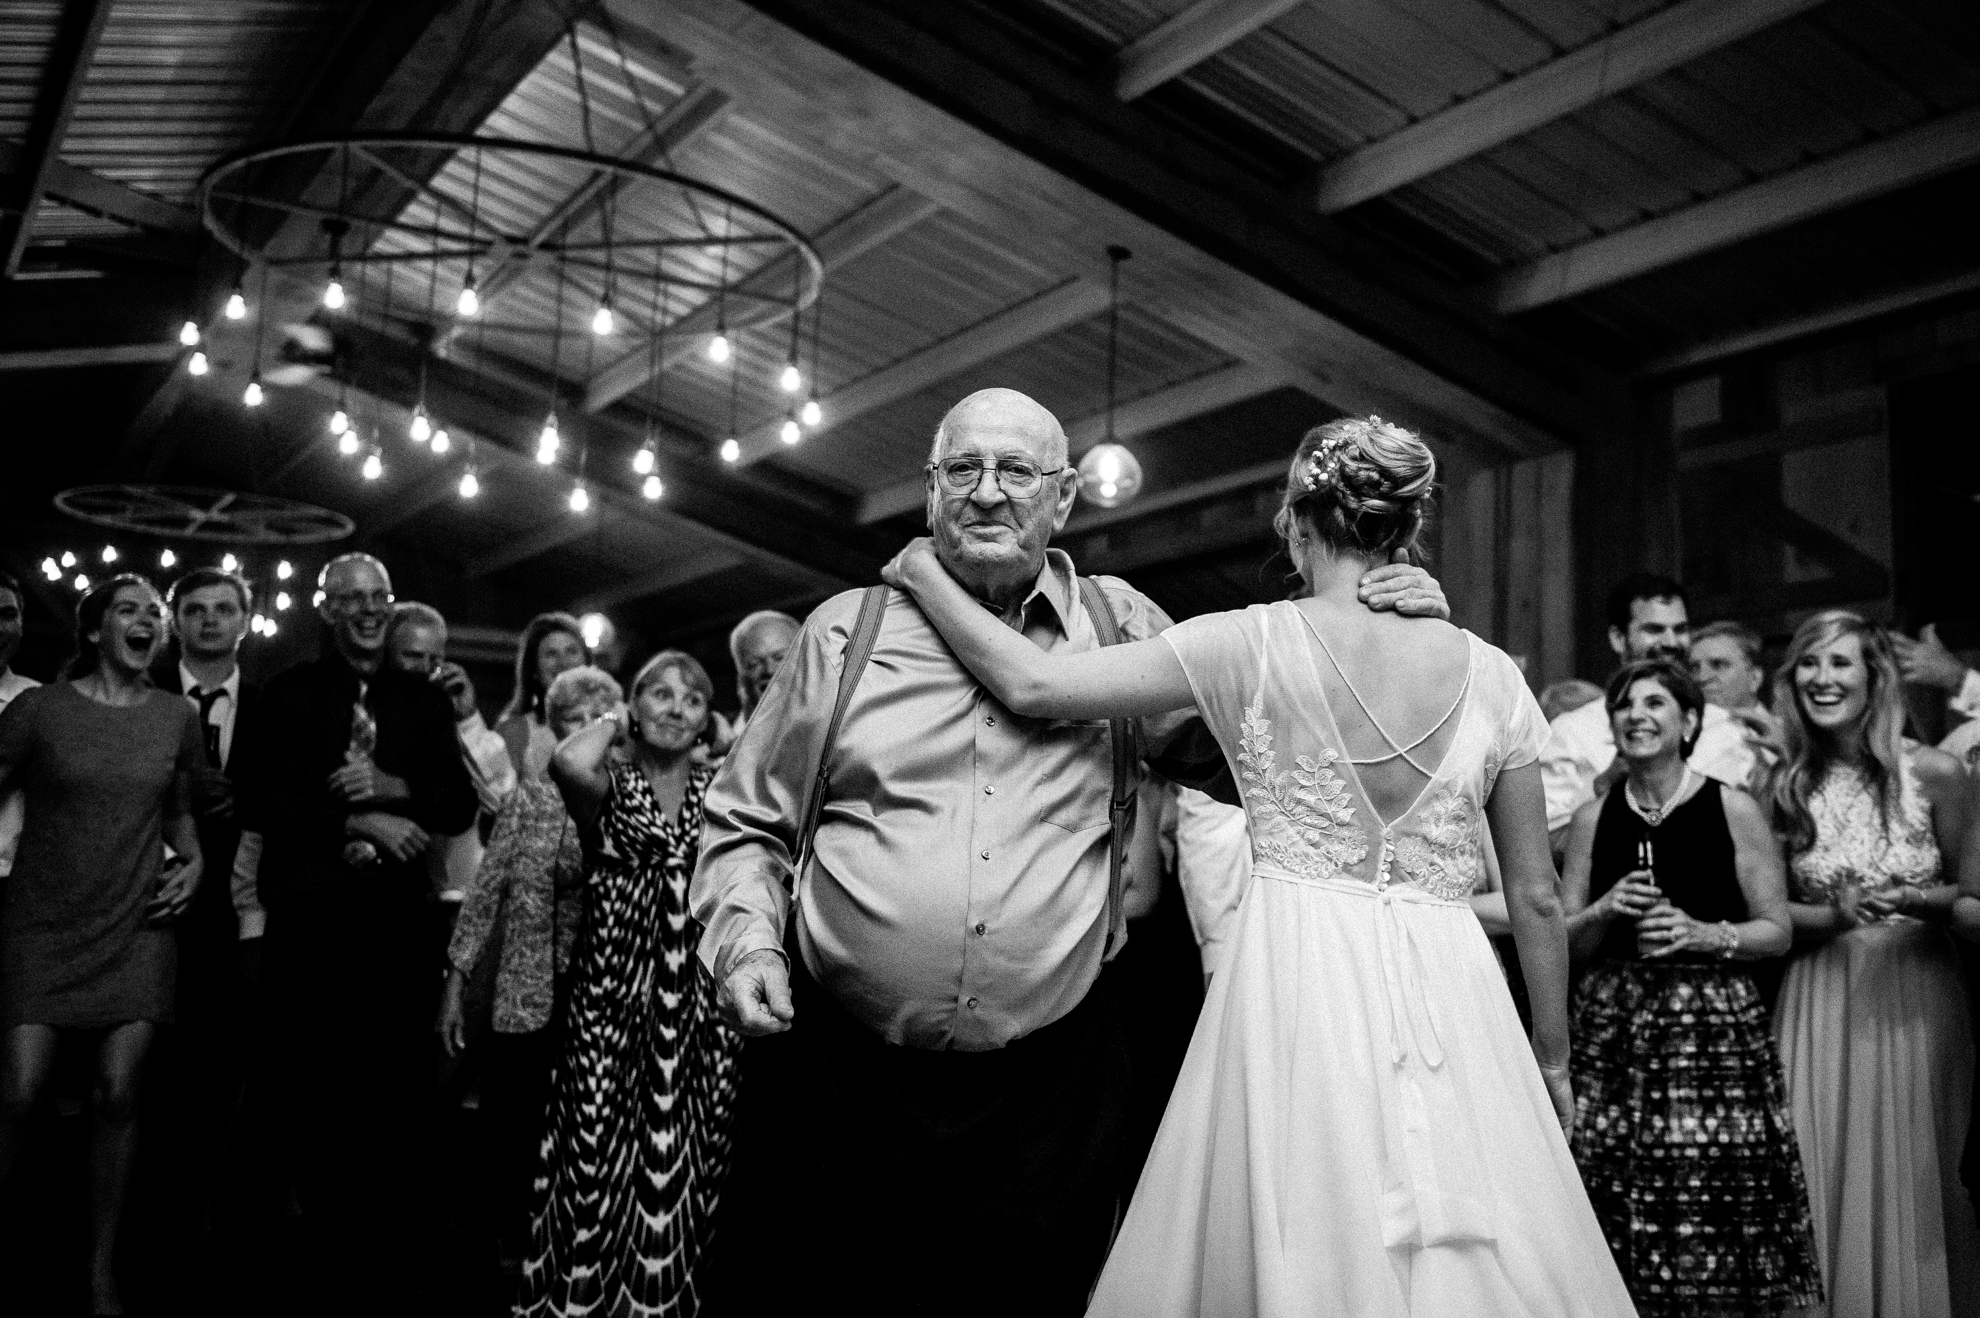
(770, 1012)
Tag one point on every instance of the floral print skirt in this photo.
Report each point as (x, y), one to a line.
(1683, 1137)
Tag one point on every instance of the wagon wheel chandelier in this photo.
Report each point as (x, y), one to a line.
(542, 252)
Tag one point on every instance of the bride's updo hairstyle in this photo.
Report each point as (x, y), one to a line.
(1361, 484)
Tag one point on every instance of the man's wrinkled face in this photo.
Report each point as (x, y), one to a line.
(1658, 629)
(210, 622)
(762, 653)
(357, 603)
(1723, 673)
(418, 648)
(986, 534)
(10, 626)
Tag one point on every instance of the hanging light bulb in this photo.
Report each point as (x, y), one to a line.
(469, 303)
(580, 499)
(82, 582)
(789, 431)
(811, 414)
(442, 441)
(253, 394)
(282, 600)
(469, 485)
(643, 460)
(197, 364)
(268, 629)
(421, 429)
(601, 319)
(236, 304)
(51, 569)
(109, 553)
(228, 563)
(68, 559)
(284, 570)
(651, 487)
(374, 466)
(333, 292)
(1109, 474)
(548, 441)
(340, 421)
(718, 348)
(731, 450)
(258, 624)
(792, 378)
(347, 443)
(166, 558)
(189, 334)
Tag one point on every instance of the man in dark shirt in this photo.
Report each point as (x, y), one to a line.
(351, 769)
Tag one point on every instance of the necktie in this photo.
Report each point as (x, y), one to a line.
(212, 729)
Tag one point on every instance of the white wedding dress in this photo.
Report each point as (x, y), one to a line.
(1360, 1127)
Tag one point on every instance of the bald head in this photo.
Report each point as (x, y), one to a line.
(1004, 410)
(356, 593)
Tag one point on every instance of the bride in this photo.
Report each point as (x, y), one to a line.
(1359, 1127)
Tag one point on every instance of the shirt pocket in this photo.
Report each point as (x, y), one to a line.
(1075, 785)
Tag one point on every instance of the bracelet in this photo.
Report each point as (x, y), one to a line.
(1728, 940)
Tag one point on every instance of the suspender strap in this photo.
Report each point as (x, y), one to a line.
(1127, 759)
(859, 649)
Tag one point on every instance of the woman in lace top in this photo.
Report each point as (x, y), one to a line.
(1673, 887)
(1359, 1126)
(1872, 1017)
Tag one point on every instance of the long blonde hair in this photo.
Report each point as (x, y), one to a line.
(1876, 743)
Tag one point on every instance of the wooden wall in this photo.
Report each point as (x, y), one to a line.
(1506, 561)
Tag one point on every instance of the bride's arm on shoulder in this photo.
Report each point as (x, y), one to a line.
(1115, 681)
(1518, 814)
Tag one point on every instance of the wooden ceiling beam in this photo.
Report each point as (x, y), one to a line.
(77, 35)
(563, 527)
(683, 571)
(1871, 170)
(990, 338)
(1185, 40)
(1635, 54)
(1820, 322)
(118, 354)
(89, 191)
(871, 224)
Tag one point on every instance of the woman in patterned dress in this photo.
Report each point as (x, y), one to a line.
(1872, 1017)
(1359, 1126)
(638, 1136)
(1681, 1123)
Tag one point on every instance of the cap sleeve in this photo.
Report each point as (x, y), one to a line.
(1523, 728)
(1220, 654)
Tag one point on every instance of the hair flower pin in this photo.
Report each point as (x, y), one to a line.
(1323, 465)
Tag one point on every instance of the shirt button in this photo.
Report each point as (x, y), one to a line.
(990, 720)
(971, 1004)
(986, 855)
(979, 929)
(990, 791)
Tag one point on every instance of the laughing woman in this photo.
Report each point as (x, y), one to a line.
(1673, 887)
(108, 768)
(1872, 1017)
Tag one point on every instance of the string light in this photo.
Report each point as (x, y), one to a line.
(282, 601)
(652, 488)
(731, 451)
(580, 499)
(643, 460)
(333, 292)
(442, 441)
(374, 466)
(347, 443)
(792, 379)
(284, 570)
(109, 553)
(468, 305)
(421, 429)
(718, 348)
(253, 394)
(601, 319)
(166, 558)
(469, 485)
(340, 420)
(548, 441)
(68, 559)
(228, 563)
(82, 582)
(189, 334)
(258, 624)
(592, 627)
(51, 569)
(269, 629)
(812, 413)
(236, 304)
(789, 431)
(197, 364)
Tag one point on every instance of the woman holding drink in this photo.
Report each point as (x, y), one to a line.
(1872, 1017)
(1673, 886)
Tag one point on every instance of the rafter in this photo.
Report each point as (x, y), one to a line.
(1600, 69)
(77, 36)
(119, 354)
(1184, 41)
(1820, 322)
(682, 571)
(1867, 171)
(87, 190)
(870, 225)
(562, 528)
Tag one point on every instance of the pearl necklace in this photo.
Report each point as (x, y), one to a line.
(1653, 815)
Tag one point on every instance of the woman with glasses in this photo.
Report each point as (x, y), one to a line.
(109, 767)
(1872, 1017)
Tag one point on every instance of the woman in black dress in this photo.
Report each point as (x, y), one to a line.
(108, 768)
(1674, 883)
(638, 1136)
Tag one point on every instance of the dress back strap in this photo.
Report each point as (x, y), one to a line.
(1396, 749)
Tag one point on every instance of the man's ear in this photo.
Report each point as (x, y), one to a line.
(1618, 641)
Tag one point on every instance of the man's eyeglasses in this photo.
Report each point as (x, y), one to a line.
(349, 601)
(1016, 478)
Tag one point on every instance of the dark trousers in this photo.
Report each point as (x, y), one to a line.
(353, 989)
(515, 1108)
(890, 1181)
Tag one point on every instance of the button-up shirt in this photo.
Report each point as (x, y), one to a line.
(1581, 744)
(223, 710)
(13, 808)
(957, 892)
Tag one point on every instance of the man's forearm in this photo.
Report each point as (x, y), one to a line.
(741, 912)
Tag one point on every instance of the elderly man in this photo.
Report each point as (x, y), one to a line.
(758, 646)
(957, 1110)
(350, 768)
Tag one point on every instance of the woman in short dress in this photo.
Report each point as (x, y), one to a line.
(108, 766)
(638, 1136)
(1872, 1017)
(1674, 886)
